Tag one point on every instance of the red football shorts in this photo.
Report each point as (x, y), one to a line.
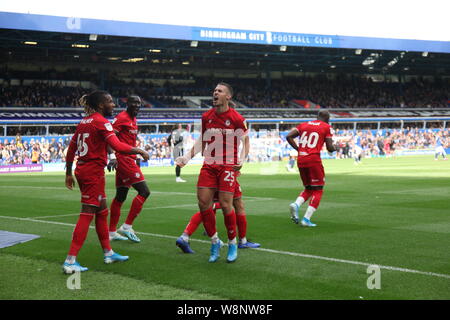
(237, 193)
(91, 181)
(313, 175)
(127, 172)
(222, 178)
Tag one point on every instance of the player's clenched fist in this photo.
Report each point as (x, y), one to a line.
(181, 161)
(144, 154)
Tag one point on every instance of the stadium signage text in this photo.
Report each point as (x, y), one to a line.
(21, 168)
(276, 38)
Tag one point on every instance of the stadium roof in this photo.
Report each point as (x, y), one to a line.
(30, 46)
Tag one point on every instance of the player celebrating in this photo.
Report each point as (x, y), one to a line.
(440, 147)
(312, 134)
(241, 221)
(128, 173)
(90, 141)
(223, 129)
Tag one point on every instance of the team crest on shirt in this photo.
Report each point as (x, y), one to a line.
(227, 123)
(209, 121)
(138, 174)
(108, 126)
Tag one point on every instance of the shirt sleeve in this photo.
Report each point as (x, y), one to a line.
(116, 124)
(105, 129)
(242, 124)
(118, 146)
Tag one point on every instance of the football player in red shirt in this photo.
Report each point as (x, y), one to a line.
(223, 129)
(90, 141)
(128, 173)
(313, 134)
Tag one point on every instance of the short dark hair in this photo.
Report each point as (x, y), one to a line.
(230, 89)
(91, 101)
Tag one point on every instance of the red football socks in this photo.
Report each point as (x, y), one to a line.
(306, 194)
(136, 207)
(80, 232)
(101, 226)
(230, 224)
(316, 197)
(217, 206)
(241, 221)
(209, 221)
(115, 215)
(193, 224)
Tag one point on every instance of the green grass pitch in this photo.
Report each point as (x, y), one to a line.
(392, 212)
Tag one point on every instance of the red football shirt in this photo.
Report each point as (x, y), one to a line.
(312, 138)
(90, 138)
(222, 133)
(126, 129)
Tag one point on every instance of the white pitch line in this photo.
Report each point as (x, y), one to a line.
(154, 192)
(295, 254)
(169, 207)
(55, 216)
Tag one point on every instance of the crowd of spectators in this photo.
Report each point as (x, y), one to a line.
(40, 95)
(266, 145)
(39, 150)
(339, 92)
(386, 142)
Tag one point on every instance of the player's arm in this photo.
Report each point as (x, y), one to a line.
(291, 138)
(244, 152)
(124, 148)
(329, 144)
(70, 181)
(196, 148)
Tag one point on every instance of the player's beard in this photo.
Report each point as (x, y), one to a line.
(107, 112)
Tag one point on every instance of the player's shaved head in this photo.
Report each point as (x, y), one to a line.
(134, 98)
(229, 88)
(323, 115)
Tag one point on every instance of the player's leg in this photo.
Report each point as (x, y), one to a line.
(136, 207)
(78, 237)
(192, 226)
(101, 226)
(303, 196)
(443, 153)
(178, 152)
(317, 174)
(116, 205)
(89, 206)
(183, 241)
(205, 197)
(227, 189)
(241, 222)
(229, 215)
